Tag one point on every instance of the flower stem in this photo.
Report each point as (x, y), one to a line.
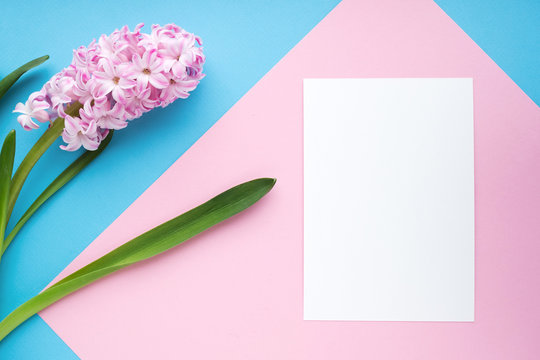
(39, 148)
(69, 173)
(7, 155)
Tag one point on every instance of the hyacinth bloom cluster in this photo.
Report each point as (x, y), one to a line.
(116, 79)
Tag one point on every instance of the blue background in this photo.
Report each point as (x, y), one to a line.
(242, 40)
(508, 31)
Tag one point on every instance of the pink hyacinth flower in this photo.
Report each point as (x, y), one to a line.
(175, 58)
(117, 79)
(141, 102)
(148, 69)
(111, 81)
(79, 133)
(34, 108)
(104, 116)
(177, 89)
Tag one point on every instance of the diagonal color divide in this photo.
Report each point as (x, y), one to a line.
(508, 31)
(236, 291)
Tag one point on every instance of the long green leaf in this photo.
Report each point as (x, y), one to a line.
(62, 179)
(12, 78)
(7, 156)
(149, 244)
(39, 148)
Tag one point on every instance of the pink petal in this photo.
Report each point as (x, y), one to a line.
(107, 68)
(26, 122)
(40, 105)
(126, 83)
(106, 87)
(71, 125)
(138, 65)
(72, 144)
(142, 80)
(178, 69)
(21, 108)
(41, 115)
(118, 95)
(89, 144)
(158, 80)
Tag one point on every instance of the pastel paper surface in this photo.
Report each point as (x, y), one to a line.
(388, 204)
(236, 291)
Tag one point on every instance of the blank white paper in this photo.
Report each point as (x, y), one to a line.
(388, 199)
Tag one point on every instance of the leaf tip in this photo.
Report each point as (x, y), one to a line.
(10, 137)
(40, 60)
(270, 182)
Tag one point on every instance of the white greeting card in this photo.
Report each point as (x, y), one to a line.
(389, 199)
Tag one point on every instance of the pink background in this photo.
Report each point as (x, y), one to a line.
(235, 292)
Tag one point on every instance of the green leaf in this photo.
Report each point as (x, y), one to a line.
(39, 148)
(62, 179)
(10, 79)
(149, 244)
(7, 156)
